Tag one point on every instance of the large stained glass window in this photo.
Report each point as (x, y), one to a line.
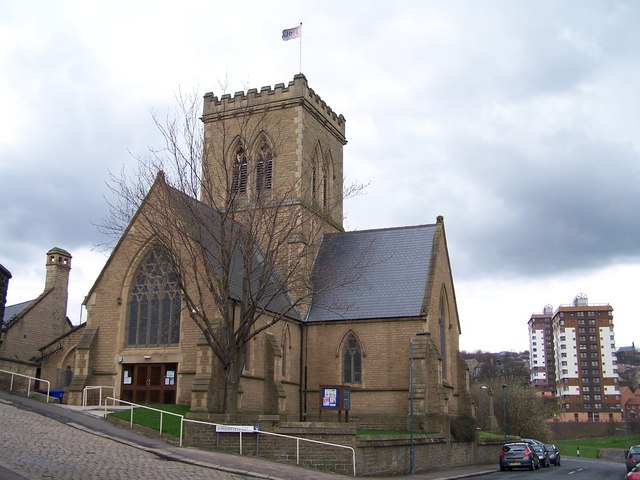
(154, 304)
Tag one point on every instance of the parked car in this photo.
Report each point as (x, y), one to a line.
(554, 454)
(634, 473)
(532, 441)
(543, 454)
(632, 457)
(518, 455)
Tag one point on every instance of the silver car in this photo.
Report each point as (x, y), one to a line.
(518, 455)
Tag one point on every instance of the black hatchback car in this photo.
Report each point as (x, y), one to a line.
(554, 454)
(518, 455)
(632, 457)
(543, 454)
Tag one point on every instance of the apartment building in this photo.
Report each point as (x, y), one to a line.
(541, 352)
(586, 371)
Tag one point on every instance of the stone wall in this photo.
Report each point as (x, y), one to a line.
(375, 455)
(20, 384)
(58, 355)
(387, 456)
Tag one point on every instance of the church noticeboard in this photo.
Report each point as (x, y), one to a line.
(335, 397)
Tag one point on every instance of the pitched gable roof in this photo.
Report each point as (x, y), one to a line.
(379, 273)
(12, 312)
(205, 222)
(206, 225)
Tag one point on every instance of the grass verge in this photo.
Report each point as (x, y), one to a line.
(589, 447)
(151, 419)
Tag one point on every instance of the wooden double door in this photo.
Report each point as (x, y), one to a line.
(149, 382)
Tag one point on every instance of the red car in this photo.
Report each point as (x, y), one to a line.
(634, 474)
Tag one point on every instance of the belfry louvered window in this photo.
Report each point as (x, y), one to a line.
(264, 169)
(154, 304)
(240, 173)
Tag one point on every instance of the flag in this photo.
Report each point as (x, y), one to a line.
(290, 33)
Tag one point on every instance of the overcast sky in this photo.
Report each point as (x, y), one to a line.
(517, 121)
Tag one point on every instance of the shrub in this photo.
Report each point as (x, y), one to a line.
(463, 428)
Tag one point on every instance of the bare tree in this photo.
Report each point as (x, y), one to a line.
(241, 250)
(526, 410)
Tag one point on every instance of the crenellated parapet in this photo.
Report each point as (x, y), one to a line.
(296, 93)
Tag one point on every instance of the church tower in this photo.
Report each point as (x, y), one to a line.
(276, 146)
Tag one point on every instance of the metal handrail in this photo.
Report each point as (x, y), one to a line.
(95, 387)
(297, 439)
(136, 405)
(29, 383)
(182, 420)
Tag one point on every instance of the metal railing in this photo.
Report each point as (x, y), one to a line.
(136, 405)
(297, 439)
(86, 390)
(234, 429)
(29, 378)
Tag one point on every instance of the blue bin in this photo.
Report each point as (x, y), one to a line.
(57, 394)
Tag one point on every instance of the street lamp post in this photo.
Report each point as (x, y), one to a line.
(483, 388)
(412, 460)
(504, 410)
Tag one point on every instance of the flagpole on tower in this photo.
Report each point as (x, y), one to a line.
(296, 32)
(300, 47)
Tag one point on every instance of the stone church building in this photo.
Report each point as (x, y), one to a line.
(28, 325)
(381, 321)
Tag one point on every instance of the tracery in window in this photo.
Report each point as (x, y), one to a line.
(351, 361)
(154, 303)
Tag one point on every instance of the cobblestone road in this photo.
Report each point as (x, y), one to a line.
(41, 448)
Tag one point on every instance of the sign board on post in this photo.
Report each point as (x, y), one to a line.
(335, 397)
(237, 428)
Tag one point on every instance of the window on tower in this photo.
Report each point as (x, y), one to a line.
(240, 172)
(264, 168)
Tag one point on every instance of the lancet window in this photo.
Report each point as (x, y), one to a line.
(264, 168)
(443, 324)
(351, 361)
(240, 172)
(286, 346)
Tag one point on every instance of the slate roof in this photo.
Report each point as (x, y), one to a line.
(205, 222)
(630, 349)
(12, 311)
(372, 274)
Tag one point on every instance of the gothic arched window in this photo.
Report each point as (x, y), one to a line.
(154, 304)
(316, 175)
(286, 346)
(443, 323)
(314, 181)
(351, 361)
(240, 172)
(264, 168)
(325, 187)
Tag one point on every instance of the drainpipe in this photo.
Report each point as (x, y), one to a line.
(302, 381)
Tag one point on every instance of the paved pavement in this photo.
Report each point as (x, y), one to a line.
(52, 441)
